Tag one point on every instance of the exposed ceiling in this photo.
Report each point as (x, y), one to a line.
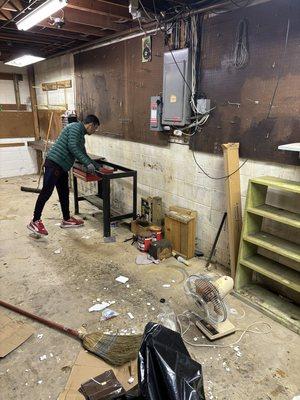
(85, 21)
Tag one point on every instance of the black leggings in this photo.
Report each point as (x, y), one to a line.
(54, 176)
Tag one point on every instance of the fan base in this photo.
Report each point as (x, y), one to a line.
(215, 331)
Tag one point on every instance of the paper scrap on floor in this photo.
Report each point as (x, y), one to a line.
(86, 366)
(122, 279)
(12, 334)
(101, 306)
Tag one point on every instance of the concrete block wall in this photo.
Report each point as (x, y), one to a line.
(17, 160)
(172, 174)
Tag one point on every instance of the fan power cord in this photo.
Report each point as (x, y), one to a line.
(244, 331)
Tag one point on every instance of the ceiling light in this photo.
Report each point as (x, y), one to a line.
(24, 60)
(42, 12)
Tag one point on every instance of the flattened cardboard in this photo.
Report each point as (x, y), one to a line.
(88, 366)
(12, 334)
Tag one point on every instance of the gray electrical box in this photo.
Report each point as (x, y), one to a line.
(176, 92)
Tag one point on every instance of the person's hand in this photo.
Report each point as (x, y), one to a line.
(91, 168)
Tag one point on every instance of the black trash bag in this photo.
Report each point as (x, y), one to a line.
(132, 394)
(165, 368)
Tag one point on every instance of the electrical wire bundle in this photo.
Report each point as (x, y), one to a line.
(166, 25)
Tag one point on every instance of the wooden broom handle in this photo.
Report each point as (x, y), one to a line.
(44, 321)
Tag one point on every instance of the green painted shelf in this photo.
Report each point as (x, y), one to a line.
(252, 270)
(277, 308)
(275, 244)
(278, 183)
(273, 270)
(276, 214)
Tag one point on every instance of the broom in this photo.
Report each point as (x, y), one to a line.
(38, 190)
(115, 349)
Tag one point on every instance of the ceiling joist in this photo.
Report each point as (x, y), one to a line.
(76, 28)
(84, 21)
(90, 19)
(97, 7)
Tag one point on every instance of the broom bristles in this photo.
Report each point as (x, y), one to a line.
(115, 349)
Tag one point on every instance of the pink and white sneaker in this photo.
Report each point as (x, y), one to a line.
(37, 227)
(72, 223)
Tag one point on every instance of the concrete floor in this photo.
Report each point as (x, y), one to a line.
(63, 286)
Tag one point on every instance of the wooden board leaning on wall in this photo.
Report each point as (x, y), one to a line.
(14, 124)
(56, 126)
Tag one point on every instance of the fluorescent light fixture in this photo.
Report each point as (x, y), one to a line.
(24, 60)
(40, 13)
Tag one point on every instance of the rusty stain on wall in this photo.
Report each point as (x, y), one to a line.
(243, 97)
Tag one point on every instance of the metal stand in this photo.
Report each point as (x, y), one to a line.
(104, 193)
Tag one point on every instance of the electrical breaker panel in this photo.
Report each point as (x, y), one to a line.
(176, 88)
(155, 114)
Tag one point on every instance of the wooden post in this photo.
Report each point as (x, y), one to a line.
(17, 91)
(31, 83)
(234, 207)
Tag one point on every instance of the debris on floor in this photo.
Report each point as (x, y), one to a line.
(101, 306)
(86, 366)
(122, 279)
(104, 386)
(145, 259)
(12, 334)
(108, 314)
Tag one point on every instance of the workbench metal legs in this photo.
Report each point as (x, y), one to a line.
(104, 194)
(106, 206)
(75, 188)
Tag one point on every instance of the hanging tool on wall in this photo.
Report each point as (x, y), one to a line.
(37, 190)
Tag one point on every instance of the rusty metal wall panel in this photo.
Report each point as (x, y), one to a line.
(112, 82)
(253, 86)
(100, 86)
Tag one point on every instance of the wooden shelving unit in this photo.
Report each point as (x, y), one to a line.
(252, 265)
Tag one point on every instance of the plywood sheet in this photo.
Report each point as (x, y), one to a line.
(56, 126)
(250, 89)
(14, 124)
(113, 83)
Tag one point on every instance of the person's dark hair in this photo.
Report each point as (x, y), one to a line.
(91, 119)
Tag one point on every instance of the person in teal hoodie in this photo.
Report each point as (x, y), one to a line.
(69, 146)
